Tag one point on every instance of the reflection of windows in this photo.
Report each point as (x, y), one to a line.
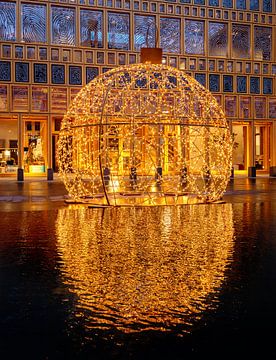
(118, 31)
(144, 31)
(218, 39)
(7, 21)
(194, 37)
(170, 35)
(63, 25)
(91, 24)
(33, 23)
(262, 43)
(241, 41)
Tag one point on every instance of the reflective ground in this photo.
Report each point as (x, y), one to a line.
(137, 283)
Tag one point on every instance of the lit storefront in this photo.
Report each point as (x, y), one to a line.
(50, 50)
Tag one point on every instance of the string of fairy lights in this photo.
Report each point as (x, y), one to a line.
(145, 134)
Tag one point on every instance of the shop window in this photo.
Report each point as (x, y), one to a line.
(73, 94)
(170, 35)
(248, 17)
(136, 5)
(6, 51)
(21, 72)
(234, 16)
(241, 4)
(3, 98)
(265, 68)
(153, 7)
(248, 68)
(144, 31)
(58, 74)
(20, 96)
(254, 85)
(267, 5)
(127, 4)
(272, 108)
(241, 84)
(145, 6)
(7, 21)
(214, 82)
(63, 25)
(8, 145)
(218, 39)
(39, 101)
(40, 73)
(173, 61)
(91, 28)
(182, 63)
(225, 15)
(162, 8)
(267, 85)
(192, 64)
(254, 5)
(75, 75)
(33, 23)
(5, 71)
(239, 67)
(194, 11)
(201, 78)
(118, 3)
(218, 14)
(241, 41)
(230, 103)
(194, 37)
(91, 73)
(245, 107)
(211, 13)
(260, 107)
(262, 42)
(227, 83)
(186, 10)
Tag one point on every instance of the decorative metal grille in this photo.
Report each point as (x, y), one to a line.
(241, 84)
(118, 31)
(214, 82)
(58, 74)
(75, 76)
(254, 5)
(40, 73)
(91, 73)
(170, 35)
(91, 28)
(218, 39)
(144, 31)
(5, 71)
(262, 43)
(267, 5)
(21, 72)
(194, 37)
(213, 2)
(33, 23)
(201, 78)
(241, 4)
(227, 3)
(228, 83)
(267, 85)
(7, 21)
(254, 85)
(63, 25)
(241, 41)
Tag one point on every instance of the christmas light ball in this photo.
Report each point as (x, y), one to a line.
(145, 134)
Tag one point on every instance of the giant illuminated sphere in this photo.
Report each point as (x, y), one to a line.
(144, 134)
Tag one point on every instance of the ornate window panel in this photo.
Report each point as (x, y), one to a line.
(170, 35)
(144, 31)
(7, 21)
(214, 84)
(241, 41)
(201, 78)
(58, 74)
(227, 83)
(262, 43)
(272, 108)
(245, 107)
(241, 84)
(118, 31)
(254, 5)
(91, 28)
(5, 71)
(194, 37)
(254, 85)
(227, 3)
(21, 72)
(218, 39)
(3, 98)
(75, 75)
(260, 107)
(213, 2)
(63, 25)
(39, 98)
(241, 4)
(20, 96)
(231, 106)
(40, 73)
(267, 85)
(267, 5)
(33, 23)
(91, 73)
(58, 99)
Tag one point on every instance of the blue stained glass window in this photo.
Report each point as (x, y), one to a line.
(214, 82)
(227, 83)
(144, 31)
(75, 75)
(267, 85)
(241, 84)
(5, 71)
(227, 3)
(170, 35)
(267, 5)
(199, 2)
(58, 74)
(91, 28)
(194, 37)
(91, 73)
(33, 23)
(118, 31)
(254, 5)
(7, 21)
(254, 85)
(40, 73)
(63, 25)
(241, 4)
(213, 2)
(201, 78)
(21, 72)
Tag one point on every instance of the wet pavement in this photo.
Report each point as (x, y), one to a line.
(185, 282)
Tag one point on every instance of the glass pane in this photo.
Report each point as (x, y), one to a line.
(267, 85)
(228, 83)
(40, 73)
(201, 78)
(21, 72)
(33, 23)
(170, 35)
(230, 106)
(118, 31)
(254, 85)
(7, 21)
(218, 39)
(144, 31)
(75, 75)
(241, 41)
(194, 37)
(58, 99)
(227, 3)
(241, 4)
(260, 108)
(91, 73)
(20, 98)
(241, 84)
(267, 5)
(254, 4)
(213, 2)
(262, 43)
(245, 107)
(214, 82)
(91, 28)
(39, 98)
(58, 74)
(272, 108)
(63, 25)
(5, 71)
(3, 98)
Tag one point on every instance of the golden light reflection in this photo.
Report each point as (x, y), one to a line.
(154, 268)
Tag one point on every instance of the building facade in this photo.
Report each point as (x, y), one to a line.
(50, 49)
